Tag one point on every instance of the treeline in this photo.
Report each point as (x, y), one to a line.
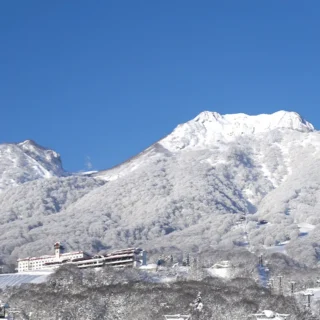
(112, 294)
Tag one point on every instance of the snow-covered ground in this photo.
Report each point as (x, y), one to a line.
(220, 272)
(86, 173)
(280, 248)
(15, 279)
(149, 267)
(305, 228)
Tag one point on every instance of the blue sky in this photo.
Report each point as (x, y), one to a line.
(106, 79)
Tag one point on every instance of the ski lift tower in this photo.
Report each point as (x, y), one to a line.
(177, 317)
(3, 310)
(308, 294)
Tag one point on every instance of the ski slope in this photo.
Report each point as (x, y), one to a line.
(16, 279)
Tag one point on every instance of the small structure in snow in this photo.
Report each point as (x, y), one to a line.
(221, 269)
(268, 314)
(222, 264)
(308, 294)
(3, 310)
(177, 317)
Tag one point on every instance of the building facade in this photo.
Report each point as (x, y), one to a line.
(39, 263)
(131, 257)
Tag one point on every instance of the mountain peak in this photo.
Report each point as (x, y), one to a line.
(277, 120)
(33, 149)
(27, 161)
(208, 116)
(208, 127)
(30, 143)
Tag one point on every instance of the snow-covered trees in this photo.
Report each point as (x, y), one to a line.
(84, 294)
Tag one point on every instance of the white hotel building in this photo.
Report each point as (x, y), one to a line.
(38, 263)
(131, 257)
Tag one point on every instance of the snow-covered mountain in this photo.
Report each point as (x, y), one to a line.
(188, 190)
(209, 128)
(27, 161)
(213, 131)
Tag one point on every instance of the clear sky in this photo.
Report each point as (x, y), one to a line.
(105, 79)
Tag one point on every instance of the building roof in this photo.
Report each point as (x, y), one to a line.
(115, 254)
(177, 317)
(51, 256)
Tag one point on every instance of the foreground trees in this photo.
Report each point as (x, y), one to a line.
(109, 294)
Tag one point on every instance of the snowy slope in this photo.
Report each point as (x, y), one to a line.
(16, 279)
(211, 130)
(27, 161)
(208, 128)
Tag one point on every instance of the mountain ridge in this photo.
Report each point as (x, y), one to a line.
(209, 127)
(192, 135)
(27, 161)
